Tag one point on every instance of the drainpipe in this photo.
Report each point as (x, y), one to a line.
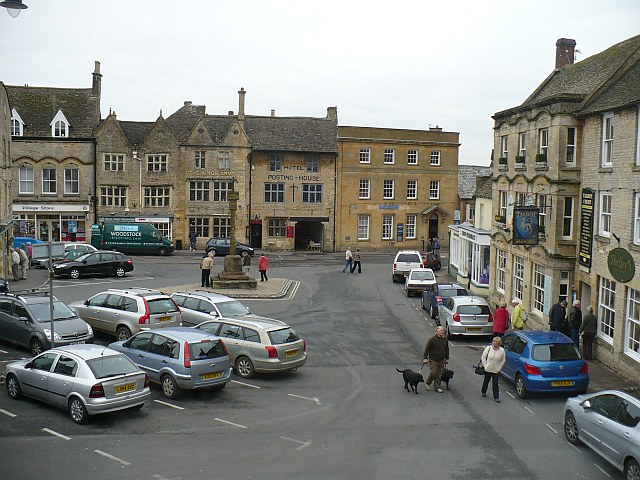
(95, 181)
(335, 199)
(249, 196)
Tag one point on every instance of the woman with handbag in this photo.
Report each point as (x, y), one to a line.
(493, 359)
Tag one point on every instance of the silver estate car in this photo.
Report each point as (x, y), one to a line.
(259, 345)
(123, 312)
(84, 379)
(465, 316)
(607, 423)
(179, 359)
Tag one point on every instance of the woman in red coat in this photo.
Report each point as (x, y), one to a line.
(501, 320)
(263, 263)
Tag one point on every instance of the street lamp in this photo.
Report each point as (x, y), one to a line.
(13, 7)
(135, 157)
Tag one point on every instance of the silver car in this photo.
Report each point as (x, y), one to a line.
(123, 312)
(466, 316)
(179, 359)
(607, 422)
(84, 379)
(259, 345)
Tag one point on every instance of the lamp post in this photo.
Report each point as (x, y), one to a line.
(14, 7)
(135, 157)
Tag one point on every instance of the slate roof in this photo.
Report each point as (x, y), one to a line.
(135, 131)
(299, 134)
(38, 105)
(483, 186)
(622, 92)
(467, 179)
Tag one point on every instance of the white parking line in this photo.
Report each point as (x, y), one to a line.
(303, 444)
(76, 284)
(56, 434)
(574, 447)
(230, 423)
(529, 410)
(111, 457)
(511, 394)
(169, 405)
(551, 428)
(8, 414)
(305, 398)
(294, 290)
(599, 468)
(245, 384)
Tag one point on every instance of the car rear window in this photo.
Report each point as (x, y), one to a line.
(162, 305)
(284, 335)
(423, 275)
(409, 257)
(111, 366)
(555, 352)
(206, 349)
(453, 292)
(473, 310)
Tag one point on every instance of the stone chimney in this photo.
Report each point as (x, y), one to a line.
(96, 87)
(273, 112)
(241, 94)
(565, 52)
(332, 113)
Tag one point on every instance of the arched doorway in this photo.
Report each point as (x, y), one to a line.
(433, 226)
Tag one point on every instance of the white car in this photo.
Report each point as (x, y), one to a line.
(418, 280)
(404, 262)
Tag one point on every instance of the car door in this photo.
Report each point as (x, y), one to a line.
(508, 342)
(190, 312)
(90, 265)
(596, 420)
(233, 339)
(62, 379)
(137, 348)
(107, 264)
(21, 329)
(158, 355)
(620, 431)
(111, 312)
(35, 379)
(517, 359)
(6, 317)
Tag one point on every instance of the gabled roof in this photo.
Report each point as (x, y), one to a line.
(483, 186)
(467, 179)
(38, 106)
(135, 132)
(622, 92)
(299, 134)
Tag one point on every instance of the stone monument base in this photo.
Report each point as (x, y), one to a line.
(232, 275)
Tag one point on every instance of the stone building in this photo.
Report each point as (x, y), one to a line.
(53, 157)
(6, 216)
(397, 188)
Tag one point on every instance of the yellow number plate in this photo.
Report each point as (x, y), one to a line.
(211, 376)
(292, 353)
(127, 387)
(165, 319)
(474, 329)
(563, 383)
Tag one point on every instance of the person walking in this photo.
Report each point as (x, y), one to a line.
(557, 315)
(436, 246)
(205, 266)
(24, 263)
(518, 318)
(575, 321)
(348, 259)
(357, 256)
(588, 330)
(29, 252)
(14, 258)
(263, 264)
(493, 359)
(246, 262)
(500, 320)
(192, 240)
(436, 354)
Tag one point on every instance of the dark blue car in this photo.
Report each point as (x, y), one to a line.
(432, 297)
(544, 361)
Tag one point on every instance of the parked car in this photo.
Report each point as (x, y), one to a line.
(25, 320)
(71, 251)
(431, 260)
(607, 423)
(433, 296)
(466, 316)
(83, 379)
(200, 306)
(259, 345)
(222, 246)
(544, 361)
(418, 280)
(179, 359)
(123, 312)
(100, 262)
(19, 241)
(404, 262)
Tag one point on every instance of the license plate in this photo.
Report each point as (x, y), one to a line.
(474, 329)
(81, 342)
(292, 353)
(211, 376)
(562, 383)
(165, 319)
(127, 387)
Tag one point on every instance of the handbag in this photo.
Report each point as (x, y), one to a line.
(479, 368)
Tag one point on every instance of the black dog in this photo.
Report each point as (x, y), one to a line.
(447, 375)
(411, 378)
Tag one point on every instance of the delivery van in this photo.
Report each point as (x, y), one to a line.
(130, 238)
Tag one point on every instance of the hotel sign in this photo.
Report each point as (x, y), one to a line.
(621, 265)
(585, 248)
(525, 225)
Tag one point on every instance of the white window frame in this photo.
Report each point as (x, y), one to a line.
(200, 225)
(59, 126)
(435, 157)
(563, 291)
(113, 162)
(541, 202)
(434, 189)
(313, 163)
(567, 218)
(224, 161)
(199, 190)
(157, 196)
(412, 157)
(604, 214)
(570, 159)
(412, 189)
(387, 227)
(113, 196)
(636, 218)
(312, 193)
(607, 139)
(389, 156)
(364, 190)
(632, 333)
(543, 141)
(220, 189)
(504, 146)
(157, 163)
(537, 297)
(275, 162)
(274, 192)
(365, 155)
(71, 180)
(606, 309)
(222, 227)
(502, 203)
(17, 125)
(522, 144)
(638, 138)
(518, 277)
(363, 227)
(25, 179)
(200, 159)
(410, 227)
(49, 184)
(388, 189)
(501, 269)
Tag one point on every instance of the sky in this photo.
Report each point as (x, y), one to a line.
(405, 64)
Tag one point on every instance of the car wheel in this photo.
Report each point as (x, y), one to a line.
(521, 389)
(422, 303)
(123, 333)
(571, 429)
(74, 273)
(120, 272)
(432, 312)
(212, 251)
(244, 367)
(632, 470)
(78, 411)
(408, 292)
(439, 266)
(169, 386)
(35, 345)
(449, 336)
(393, 278)
(162, 251)
(13, 387)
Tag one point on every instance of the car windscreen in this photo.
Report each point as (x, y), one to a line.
(409, 258)
(111, 366)
(284, 335)
(82, 257)
(423, 275)
(473, 310)
(453, 292)
(555, 352)
(42, 313)
(230, 309)
(162, 305)
(206, 349)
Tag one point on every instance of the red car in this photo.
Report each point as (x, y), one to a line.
(431, 260)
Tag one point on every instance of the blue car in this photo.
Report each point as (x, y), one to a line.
(19, 241)
(544, 361)
(433, 296)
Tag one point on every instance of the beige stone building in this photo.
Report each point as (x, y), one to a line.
(397, 188)
(6, 180)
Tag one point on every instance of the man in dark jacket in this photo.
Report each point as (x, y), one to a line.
(575, 320)
(436, 353)
(557, 314)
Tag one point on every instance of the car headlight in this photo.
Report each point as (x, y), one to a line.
(47, 333)
(89, 330)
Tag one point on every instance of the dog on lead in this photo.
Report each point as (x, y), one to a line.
(411, 379)
(447, 375)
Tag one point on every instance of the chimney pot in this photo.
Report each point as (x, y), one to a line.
(332, 113)
(188, 103)
(273, 112)
(96, 86)
(231, 113)
(565, 52)
(241, 94)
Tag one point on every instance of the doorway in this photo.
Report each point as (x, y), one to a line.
(308, 232)
(433, 226)
(255, 240)
(49, 228)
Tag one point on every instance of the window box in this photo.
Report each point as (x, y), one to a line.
(502, 160)
(541, 158)
(520, 159)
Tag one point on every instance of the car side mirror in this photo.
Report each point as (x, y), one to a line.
(24, 319)
(213, 314)
(28, 365)
(586, 405)
(84, 261)
(86, 303)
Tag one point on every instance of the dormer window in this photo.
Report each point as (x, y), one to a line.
(17, 125)
(59, 125)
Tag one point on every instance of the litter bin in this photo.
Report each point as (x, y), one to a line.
(178, 244)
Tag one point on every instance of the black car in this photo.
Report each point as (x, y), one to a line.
(102, 262)
(221, 246)
(432, 297)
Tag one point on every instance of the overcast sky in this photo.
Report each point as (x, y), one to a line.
(402, 64)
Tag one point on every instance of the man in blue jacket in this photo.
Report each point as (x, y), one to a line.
(557, 314)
